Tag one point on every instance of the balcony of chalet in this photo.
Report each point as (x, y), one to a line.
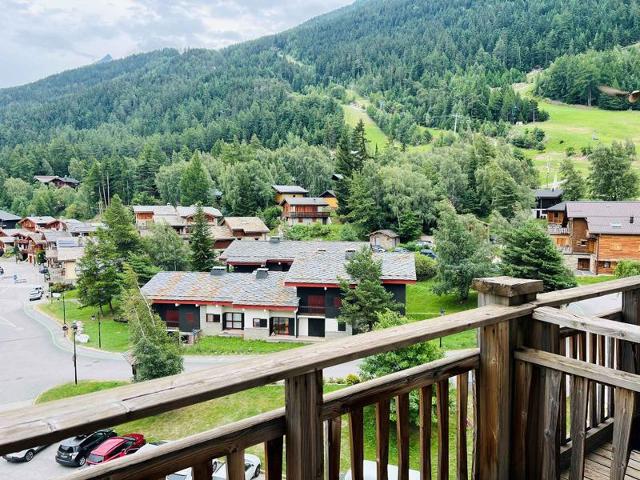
(545, 395)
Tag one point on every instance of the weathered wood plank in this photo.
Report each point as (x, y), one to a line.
(273, 459)
(522, 379)
(593, 399)
(462, 399)
(235, 466)
(383, 411)
(625, 400)
(356, 439)
(569, 295)
(551, 447)
(402, 422)
(442, 408)
(608, 376)
(304, 437)
(578, 426)
(334, 435)
(54, 421)
(202, 470)
(426, 395)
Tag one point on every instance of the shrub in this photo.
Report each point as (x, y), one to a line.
(627, 268)
(426, 268)
(352, 379)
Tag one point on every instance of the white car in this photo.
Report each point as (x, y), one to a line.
(251, 470)
(35, 294)
(23, 455)
(370, 472)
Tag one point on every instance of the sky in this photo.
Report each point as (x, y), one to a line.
(42, 37)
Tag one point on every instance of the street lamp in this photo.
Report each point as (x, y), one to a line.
(93, 317)
(64, 310)
(74, 327)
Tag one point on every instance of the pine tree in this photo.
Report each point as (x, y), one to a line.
(120, 229)
(156, 353)
(195, 184)
(99, 278)
(344, 167)
(359, 146)
(362, 304)
(611, 177)
(203, 256)
(529, 252)
(574, 186)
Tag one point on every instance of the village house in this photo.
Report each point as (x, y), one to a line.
(306, 210)
(275, 288)
(64, 264)
(38, 224)
(284, 192)
(29, 244)
(331, 198)
(387, 239)
(56, 181)
(8, 220)
(238, 228)
(595, 235)
(179, 218)
(6, 243)
(545, 198)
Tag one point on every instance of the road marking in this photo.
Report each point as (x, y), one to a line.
(10, 323)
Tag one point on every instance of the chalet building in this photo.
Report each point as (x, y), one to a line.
(238, 228)
(8, 220)
(63, 258)
(306, 211)
(545, 198)
(593, 235)
(29, 244)
(284, 192)
(81, 229)
(6, 243)
(276, 288)
(387, 239)
(56, 181)
(331, 198)
(38, 224)
(179, 218)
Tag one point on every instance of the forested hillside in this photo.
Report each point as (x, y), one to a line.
(131, 126)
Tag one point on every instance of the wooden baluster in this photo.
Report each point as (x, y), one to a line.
(578, 425)
(601, 361)
(462, 398)
(402, 414)
(426, 394)
(523, 372)
(611, 363)
(334, 431)
(625, 400)
(356, 435)
(442, 407)
(202, 471)
(475, 465)
(273, 459)
(551, 446)
(563, 397)
(235, 465)
(382, 441)
(304, 430)
(593, 401)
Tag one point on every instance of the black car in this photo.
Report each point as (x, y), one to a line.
(74, 451)
(23, 455)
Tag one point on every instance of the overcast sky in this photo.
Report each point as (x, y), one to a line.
(42, 37)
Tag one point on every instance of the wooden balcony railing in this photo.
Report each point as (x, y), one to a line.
(517, 398)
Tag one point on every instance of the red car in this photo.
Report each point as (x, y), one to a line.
(116, 447)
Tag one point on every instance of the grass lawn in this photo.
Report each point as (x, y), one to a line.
(423, 304)
(589, 280)
(375, 136)
(237, 346)
(190, 420)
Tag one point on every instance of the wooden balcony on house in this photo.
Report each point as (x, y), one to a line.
(546, 395)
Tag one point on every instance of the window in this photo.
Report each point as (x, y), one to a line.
(173, 318)
(213, 318)
(233, 321)
(342, 326)
(280, 326)
(260, 323)
(582, 243)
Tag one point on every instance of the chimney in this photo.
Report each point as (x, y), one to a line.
(218, 271)
(262, 273)
(349, 253)
(274, 239)
(630, 219)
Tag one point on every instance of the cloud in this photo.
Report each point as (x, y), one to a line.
(42, 37)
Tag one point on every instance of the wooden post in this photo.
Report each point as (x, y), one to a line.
(629, 353)
(495, 374)
(304, 433)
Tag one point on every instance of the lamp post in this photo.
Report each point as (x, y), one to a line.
(93, 317)
(64, 310)
(74, 327)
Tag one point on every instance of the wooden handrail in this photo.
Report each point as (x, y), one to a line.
(570, 295)
(55, 421)
(245, 433)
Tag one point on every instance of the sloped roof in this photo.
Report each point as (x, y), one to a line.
(191, 211)
(261, 251)
(155, 209)
(548, 192)
(387, 232)
(328, 193)
(237, 288)
(70, 254)
(246, 224)
(220, 232)
(43, 220)
(4, 215)
(321, 202)
(289, 189)
(54, 235)
(7, 240)
(584, 209)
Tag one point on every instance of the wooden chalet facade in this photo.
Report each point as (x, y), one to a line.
(179, 218)
(284, 192)
(56, 181)
(502, 408)
(238, 228)
(306, 211)
(593, 235)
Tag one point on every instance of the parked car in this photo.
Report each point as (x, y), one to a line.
(377, 249)
(24, 455)
(73, 452)
(116, 447)
(428, 252)
(251, 468)
(35, 294)
(43, 269)
(400, 250)
(1, 271)
(370, 472)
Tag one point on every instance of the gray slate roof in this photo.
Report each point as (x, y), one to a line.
(289, 189)
(321, 202)
(548, 193)
(618, 218)
(387, 232)
(246, 224)
(261, 251)
(238, 288)
(4, 215)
